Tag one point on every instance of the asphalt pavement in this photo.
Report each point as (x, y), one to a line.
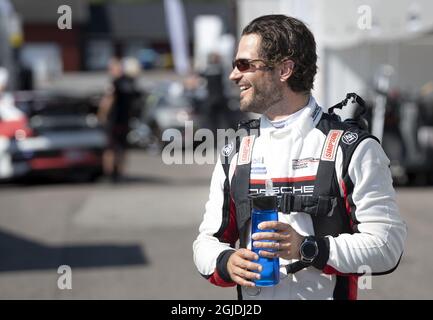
(133, 240)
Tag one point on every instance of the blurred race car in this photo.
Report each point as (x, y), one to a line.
(167, 109)
(46, 133)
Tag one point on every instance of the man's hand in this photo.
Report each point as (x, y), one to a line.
(286, 241)
(240, 267)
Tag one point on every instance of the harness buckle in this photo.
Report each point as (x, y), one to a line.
(286, 203)
(321, 206)
(325, 204)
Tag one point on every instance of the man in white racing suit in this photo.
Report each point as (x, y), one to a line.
(275, 67)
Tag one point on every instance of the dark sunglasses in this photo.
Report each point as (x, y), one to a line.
(246, 64)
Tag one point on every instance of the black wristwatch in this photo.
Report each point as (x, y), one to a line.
(308, 250)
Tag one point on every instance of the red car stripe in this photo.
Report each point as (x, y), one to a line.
(8, 128)
(62, 162)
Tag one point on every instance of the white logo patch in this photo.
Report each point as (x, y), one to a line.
(304, 163)
(350, 137)
(227, 149)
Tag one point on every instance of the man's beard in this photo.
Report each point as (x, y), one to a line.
(261, 100)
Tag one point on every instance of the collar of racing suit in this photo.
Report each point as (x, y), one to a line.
(299, 123)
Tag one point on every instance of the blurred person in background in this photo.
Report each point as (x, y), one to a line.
(115, 110)
(216, 104)
(337, 211)
(194, 90)
(25, 78)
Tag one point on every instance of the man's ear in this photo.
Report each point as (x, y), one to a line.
(286, 71)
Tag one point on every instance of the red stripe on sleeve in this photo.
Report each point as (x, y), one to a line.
(346, 201)
(330, 270)
(353, 288)
(218, 281)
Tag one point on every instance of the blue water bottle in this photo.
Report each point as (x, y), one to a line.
(264, 208)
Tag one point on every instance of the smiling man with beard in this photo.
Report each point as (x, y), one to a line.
(337, 214)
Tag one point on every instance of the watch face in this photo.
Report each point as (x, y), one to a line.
(309, 249)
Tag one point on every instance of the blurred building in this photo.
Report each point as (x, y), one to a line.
(101, 29)
(140, 29)
(46, 46)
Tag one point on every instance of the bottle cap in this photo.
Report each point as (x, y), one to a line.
(263, 202)
(269, 187)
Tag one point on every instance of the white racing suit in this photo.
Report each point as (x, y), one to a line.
(289, 152)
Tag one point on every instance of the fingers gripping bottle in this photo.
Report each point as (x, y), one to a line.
(264, 208)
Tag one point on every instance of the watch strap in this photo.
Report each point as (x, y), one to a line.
(322, 257)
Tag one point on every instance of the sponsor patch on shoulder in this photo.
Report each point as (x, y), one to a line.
(245, 150)
(349, 137)
(227, 150)
(331, 145)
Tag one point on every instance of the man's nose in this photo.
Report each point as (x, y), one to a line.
(235, 75)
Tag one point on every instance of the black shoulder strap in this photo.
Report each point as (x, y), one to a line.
(241, 186)
(350, 136)
(232, 146)
(326, 176)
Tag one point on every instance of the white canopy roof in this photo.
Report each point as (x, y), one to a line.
(345, 23)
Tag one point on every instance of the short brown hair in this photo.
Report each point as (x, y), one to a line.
(287, 37)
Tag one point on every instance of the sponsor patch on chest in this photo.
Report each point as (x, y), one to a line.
(246, 150)
(304, 163)
(331, 145)
(258, 170)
